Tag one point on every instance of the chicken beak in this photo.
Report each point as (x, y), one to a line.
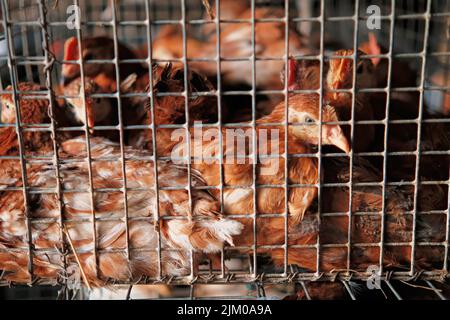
(333, 135)
(70, 54)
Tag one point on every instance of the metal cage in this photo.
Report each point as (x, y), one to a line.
(414, 32)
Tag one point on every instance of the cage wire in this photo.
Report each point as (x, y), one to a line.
(414, 32)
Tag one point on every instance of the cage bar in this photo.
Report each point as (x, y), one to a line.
(153, 129)
(88, 145)
(419, 131)
(49, 62)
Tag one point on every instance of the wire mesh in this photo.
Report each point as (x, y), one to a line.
(411, 32)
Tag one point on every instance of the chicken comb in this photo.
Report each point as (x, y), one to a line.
(71, 49)
(374, 48)
(292, 73)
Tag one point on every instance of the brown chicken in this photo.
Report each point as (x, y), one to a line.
(99, 111)
(237, 165)
(168, 45)
(366, 229)
(236, 43)
(168, 109)
(205, 235)
(305, 75)
(340, 76)
(35, 111)
(402, 137)
(171, 109)
(104, 74)
(238, 172)
(404, 105)
(269, 43)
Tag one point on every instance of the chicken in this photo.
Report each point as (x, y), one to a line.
(269, 43)
(168, 109)
(236, 75)
(33, 112)
(303, 133)
(365, 229)
(402, 137)
(404, 104)
(171, 109)
(103, 74)
(99, 111)
(236, 43)
(320, 291)
(206, 232)
(305, 75)
(206, 235)
(340, 76)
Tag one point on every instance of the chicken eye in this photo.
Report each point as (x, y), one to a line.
(309, 120)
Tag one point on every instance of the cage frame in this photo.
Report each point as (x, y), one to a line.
(254, 275)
